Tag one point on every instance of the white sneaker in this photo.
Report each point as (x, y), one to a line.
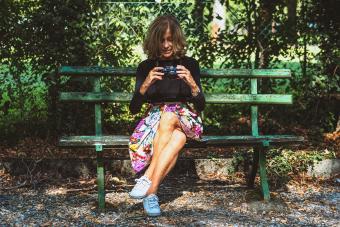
(151, 205)
(141, 187)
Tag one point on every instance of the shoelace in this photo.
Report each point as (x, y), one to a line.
(153, 202)
(141, 182)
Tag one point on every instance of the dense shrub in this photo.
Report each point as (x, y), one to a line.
(38, 36)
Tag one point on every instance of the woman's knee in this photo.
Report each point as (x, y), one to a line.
(179, 136)
(169, 121)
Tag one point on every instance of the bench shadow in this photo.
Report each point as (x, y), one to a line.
(183, 179)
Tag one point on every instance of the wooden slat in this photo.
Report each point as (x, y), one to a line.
(247, 73)
(210, 98)
(249, 98)
(251, 140)
(90, 141)
(96, 96)
(121, 141)
(96, 71)
(209, 73)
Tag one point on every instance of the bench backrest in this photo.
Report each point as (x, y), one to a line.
(254, 99)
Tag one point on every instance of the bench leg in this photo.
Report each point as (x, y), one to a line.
(255, 165)
(263, 174)
(100, 181)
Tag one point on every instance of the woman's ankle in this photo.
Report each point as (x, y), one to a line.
(151, 192)
(148, 173)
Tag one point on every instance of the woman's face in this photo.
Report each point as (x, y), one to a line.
(166, 45)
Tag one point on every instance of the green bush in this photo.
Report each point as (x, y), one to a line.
(38, 36)
(283, 164)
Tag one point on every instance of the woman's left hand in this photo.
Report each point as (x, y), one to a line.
(185, 75)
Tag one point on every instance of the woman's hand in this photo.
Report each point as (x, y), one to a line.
(152, 77)
(185, 75)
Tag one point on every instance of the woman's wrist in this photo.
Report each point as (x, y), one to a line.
(142, 89)
(195, 90)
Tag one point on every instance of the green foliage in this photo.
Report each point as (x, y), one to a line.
(23, 103)
(279, 167)
(38, 36)
(282, 164)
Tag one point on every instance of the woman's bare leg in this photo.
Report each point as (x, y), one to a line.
(155, 155)
(168, 123)
(166, 160)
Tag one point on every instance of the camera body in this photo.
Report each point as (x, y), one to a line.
(170, 72)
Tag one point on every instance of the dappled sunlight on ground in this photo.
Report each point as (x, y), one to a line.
(184, 200)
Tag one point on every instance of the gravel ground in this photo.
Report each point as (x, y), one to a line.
(185, 201)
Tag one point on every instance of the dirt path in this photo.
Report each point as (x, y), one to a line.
(185, 200)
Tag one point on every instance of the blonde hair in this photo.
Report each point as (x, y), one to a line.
(155, 35)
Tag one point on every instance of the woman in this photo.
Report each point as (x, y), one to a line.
(168, 80)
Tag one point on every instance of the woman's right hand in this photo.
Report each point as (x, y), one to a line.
(154, 75)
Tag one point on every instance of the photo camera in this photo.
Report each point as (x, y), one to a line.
(170, 72)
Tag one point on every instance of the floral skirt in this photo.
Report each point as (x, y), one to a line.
(141, 140)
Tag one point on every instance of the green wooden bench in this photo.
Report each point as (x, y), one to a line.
(260, 143)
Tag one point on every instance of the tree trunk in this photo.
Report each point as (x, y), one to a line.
(198, 15)
(265, 19)
(292, 5)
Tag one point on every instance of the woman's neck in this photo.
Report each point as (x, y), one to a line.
(167, 59)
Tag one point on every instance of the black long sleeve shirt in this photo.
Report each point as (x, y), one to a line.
(167, 90)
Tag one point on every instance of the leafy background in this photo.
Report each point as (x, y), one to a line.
(38, 36)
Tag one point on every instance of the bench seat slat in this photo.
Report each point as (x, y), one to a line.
(210, 98)
(122, 141)
(208, 73)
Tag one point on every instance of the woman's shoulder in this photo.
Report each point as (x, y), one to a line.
(146, 62)
(190, 60)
